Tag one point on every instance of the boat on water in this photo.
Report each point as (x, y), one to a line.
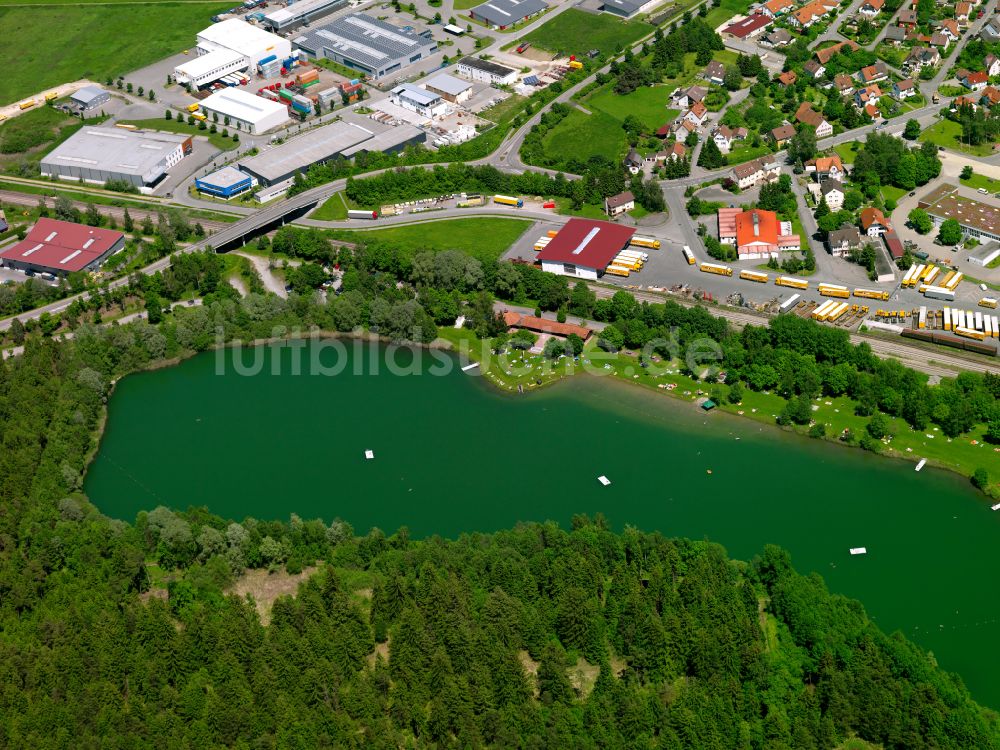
(921, 464)
(604, 480)
(369, 454)
(859, 550)
(470, 367)
(995, 507)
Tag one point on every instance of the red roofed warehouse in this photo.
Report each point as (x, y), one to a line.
(584, 248)
(749, 27)
(756, 233)
(61, 247)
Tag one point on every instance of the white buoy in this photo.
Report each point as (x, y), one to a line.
(604, 480)
(369, 454)
(859, 551)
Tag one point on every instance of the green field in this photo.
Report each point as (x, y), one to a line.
(35, 132)
(333, 208)
(177, 126)
(846, 151)
(576, 31)
(747, 152)
(948, 134)
(581, 136)
(47, 46)
(890, 192)
(648, 103)
(482, 237)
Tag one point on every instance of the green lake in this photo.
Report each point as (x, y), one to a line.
(453, 455)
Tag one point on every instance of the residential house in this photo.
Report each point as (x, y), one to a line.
(715, 72)
(809, 14)
(689, 96)
(939, 39)
(809, 116)
(776, 38)
(823, 56)
(871, 110)
(965, 101)
(904, 89)
(677, 151)
(844, 84)
(764, 169)
(725, 137)
(874, 73)
(895, 35)
(871, 8)
(990, 31)
(907, 18)
(619, 204)
(683, 128)
(842, 241)
(782, 134)
(813, 69)
(990, 96)
(833, 193)
(992, 65)
(633, 161)
(921, 57)
(974, 80)
(775, 8)
(962, 11)
(949, 27)
(826, 167)
(756, 233)
(873, 222)
(697, 114)
(787, 78)
(871, 93)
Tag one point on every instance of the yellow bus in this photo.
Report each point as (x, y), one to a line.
(688, 255)
(760, 278)
(989, 302)
(645, 242)
(629, 263)
(199, 116)
(715, 268)
(871, 294)
(51, 96)
(193, 107)
(615, 271)
(27, 104)
(931, 274)
(792, 282)
(952, 284)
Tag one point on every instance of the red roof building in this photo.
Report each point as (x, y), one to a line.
(756, 233)
(61, 247)
(584, 248)
(750, 26)
(543, 325)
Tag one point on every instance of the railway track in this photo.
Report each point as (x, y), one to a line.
(945, 364)
(13, 198)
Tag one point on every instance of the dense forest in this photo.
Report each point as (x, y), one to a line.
(120, 635)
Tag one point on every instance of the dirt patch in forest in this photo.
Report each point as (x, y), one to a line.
(583, 676)
(266, 587)
(381, 649)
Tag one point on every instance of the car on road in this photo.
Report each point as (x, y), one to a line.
(912, 194)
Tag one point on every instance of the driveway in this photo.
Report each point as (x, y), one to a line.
(272, 282)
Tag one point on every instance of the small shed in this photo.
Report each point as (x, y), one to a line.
(708, 404)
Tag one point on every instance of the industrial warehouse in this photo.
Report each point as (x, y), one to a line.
(227, 47)
(224, 183)
(61, 247)
(140, 158)
(343, 139)
(584, 248)
(245, 111)
(500, 14)
(367, 44)
(485, 71)
(301, 12)
(977, 219)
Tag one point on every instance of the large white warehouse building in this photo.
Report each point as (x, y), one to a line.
(229, 46)
(252, 113)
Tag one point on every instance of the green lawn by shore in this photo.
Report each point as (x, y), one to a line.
(962, 455)
(483, 237)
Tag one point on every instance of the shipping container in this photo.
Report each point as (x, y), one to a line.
(837, 312)
(931, 275)
(969, 333)
(955, 280)
(979, 321)
(833, 290)
(362, 214)
(820, 312)
(938, 292)
(617, 271)
(996, 326)
(717, 269)
(760, 278)
(789, 303)
(792, 282)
